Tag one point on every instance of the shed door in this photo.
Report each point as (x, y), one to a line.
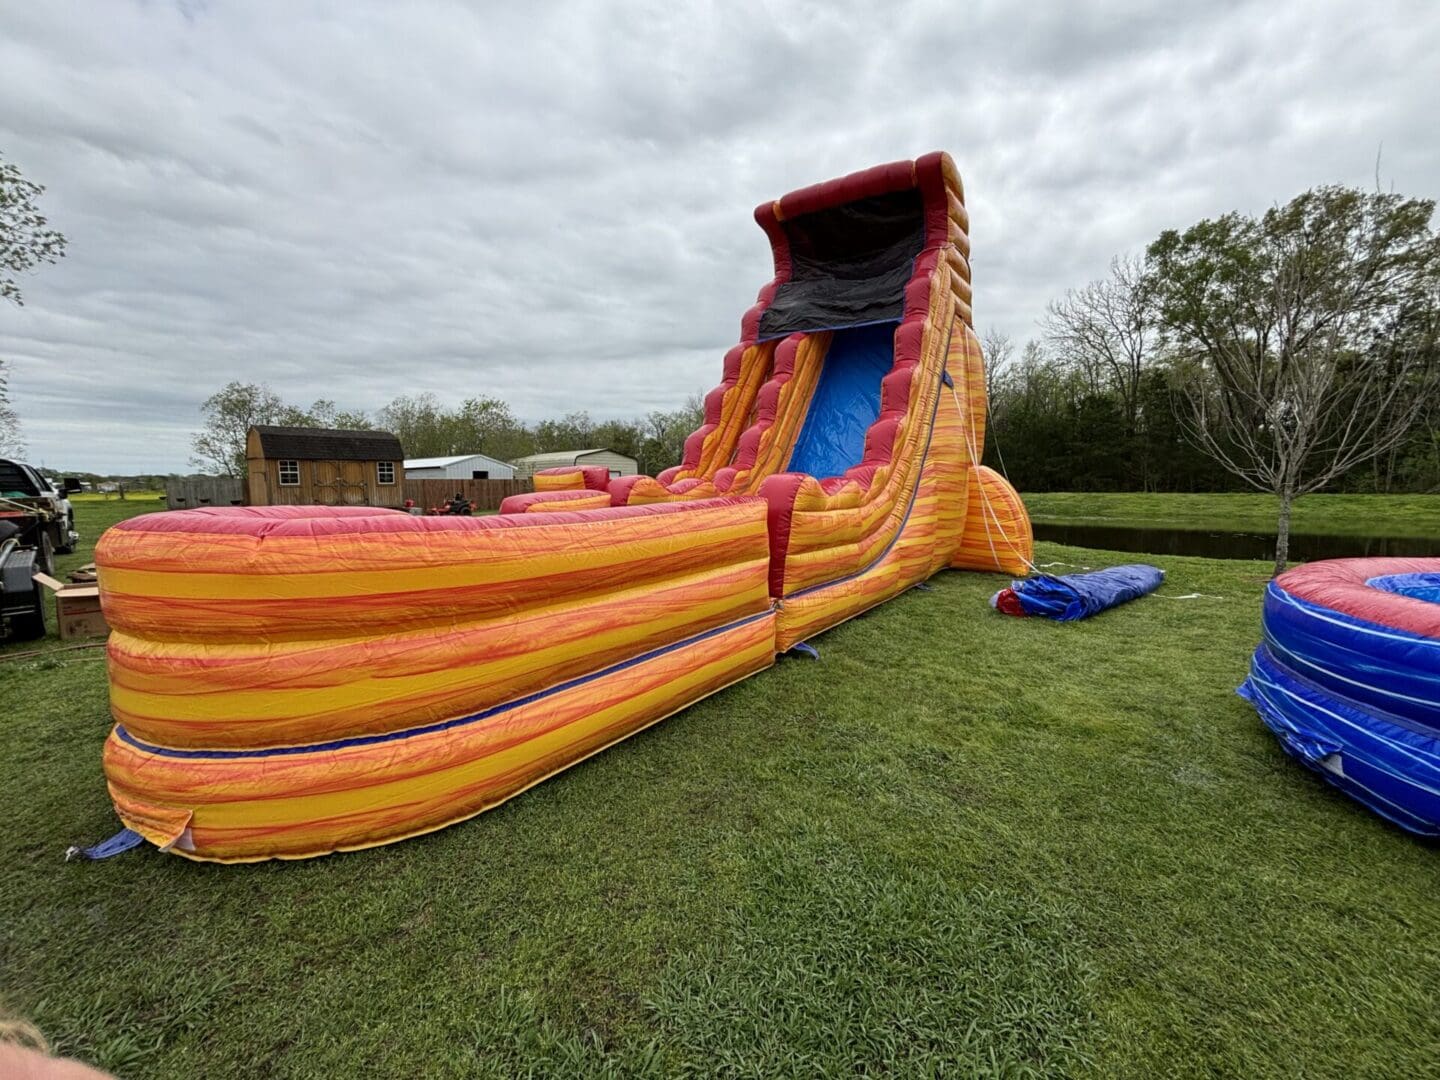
(339, 483)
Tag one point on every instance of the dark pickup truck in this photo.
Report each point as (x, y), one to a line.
(36, 523)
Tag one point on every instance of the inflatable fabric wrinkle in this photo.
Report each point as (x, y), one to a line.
(289, 682)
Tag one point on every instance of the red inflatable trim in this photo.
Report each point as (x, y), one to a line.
(1340, 585)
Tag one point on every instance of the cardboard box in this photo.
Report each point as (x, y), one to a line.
(77, 609)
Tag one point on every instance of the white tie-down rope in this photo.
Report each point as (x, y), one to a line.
(964, 418)
(990, 509)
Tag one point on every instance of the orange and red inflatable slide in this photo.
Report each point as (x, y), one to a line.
(288, 682)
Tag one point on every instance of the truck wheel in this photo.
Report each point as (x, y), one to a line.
(31, 624)
(45, 555)
(64, 546)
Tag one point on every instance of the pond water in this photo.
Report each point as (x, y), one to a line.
(1304, 547)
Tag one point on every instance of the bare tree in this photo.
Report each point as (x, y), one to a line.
(999, 353)
(1108, 332)
(1307, 337)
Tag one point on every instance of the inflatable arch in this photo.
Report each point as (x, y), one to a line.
(288, 682)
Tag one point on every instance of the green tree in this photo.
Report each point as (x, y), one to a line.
(574, 431)
(26, 239)
(12, 443)
(323, 413)
(479, 426)
(487, 426)
(1308, 335)
(26, 242)
(423, 427)
(219, 447)
(1108, 333)
(664, 435)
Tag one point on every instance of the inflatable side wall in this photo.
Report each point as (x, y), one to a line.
(1348, 679)
(290, 682)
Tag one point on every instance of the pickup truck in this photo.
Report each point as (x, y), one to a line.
(43, 513)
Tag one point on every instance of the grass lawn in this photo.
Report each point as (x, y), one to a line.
(1335, 515)
(958, 843)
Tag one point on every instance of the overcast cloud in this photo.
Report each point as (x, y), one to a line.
(550, 202)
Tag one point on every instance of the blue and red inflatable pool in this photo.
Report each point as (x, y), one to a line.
(1348, 678)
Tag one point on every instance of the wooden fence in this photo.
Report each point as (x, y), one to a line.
(229, 491)
(483, 494)
(204, 491)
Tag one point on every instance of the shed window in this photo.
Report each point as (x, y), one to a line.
(289, 474)
(479, 474)
(385, 472)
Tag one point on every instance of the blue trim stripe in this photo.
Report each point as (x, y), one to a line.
(1350, 622)
(1379, 667)
(445, 725)
(1373, 757)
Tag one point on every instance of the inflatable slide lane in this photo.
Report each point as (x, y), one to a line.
(288, 682)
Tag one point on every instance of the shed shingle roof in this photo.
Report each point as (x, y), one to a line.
(328, 444)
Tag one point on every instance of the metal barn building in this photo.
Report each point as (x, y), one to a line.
(618, 464)
(459, 467)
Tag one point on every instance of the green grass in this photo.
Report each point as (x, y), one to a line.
(109, 497)
(1334, 515)
(958, 843)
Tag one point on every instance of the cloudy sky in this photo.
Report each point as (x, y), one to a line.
(550, 202)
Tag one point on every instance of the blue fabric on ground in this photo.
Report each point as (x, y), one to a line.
(846, 401)
(1078, 596)
(1390, 764)
(121, 842)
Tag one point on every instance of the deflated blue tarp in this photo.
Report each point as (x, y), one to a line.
(846, 401)
(1078, 596)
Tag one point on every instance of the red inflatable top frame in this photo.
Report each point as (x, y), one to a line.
(1342, 585)
(926, 173)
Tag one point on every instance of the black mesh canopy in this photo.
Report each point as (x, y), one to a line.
(849, 265)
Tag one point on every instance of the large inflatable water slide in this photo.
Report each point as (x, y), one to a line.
(288, 682)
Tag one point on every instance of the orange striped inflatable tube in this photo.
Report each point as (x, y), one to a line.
(244, 635)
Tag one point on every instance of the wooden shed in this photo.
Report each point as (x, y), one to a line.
(293, 466)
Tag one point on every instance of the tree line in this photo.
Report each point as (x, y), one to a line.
(427, 427)
(26, 243)
(1290, 352)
